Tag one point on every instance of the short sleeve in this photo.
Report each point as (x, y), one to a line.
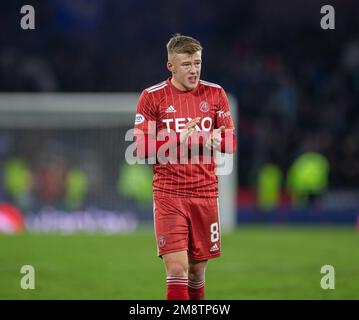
(223, 114)
(145, 119)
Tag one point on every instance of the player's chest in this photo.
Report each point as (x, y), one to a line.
(173, 114)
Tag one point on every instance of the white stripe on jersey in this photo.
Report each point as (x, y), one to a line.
(157, 88)
(210, 84)
(156, 85)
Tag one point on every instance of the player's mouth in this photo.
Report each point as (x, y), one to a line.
(192, 79)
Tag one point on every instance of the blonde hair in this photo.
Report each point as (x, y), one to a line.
(182, 44)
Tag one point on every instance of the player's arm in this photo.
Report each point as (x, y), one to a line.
(147, 141)
(223, 137)
(145, 127)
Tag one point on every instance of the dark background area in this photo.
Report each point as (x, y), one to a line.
(297, 85)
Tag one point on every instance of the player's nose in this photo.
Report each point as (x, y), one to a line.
(193, 69)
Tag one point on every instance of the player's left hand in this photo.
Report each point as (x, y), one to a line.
(188, 129)
(215, 139)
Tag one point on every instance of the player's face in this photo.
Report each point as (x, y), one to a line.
(186, 70)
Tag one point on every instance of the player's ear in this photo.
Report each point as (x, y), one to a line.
(170, 66)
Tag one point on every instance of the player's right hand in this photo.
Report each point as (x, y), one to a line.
(188, 129)
(214, 140)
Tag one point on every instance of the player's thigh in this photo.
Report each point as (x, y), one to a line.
(171, 225)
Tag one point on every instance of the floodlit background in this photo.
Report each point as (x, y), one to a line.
(68, 96)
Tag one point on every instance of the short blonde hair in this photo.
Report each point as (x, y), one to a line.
(183, 44)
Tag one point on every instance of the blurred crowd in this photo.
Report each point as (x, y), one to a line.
(70, 170)
(297, 85)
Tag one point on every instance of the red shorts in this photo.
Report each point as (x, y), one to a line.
(190, 224)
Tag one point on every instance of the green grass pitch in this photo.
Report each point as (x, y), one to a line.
(258, 262)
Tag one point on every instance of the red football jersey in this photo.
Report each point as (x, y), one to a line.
(170, 109)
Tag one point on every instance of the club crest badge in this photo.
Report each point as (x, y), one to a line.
(204, 106)
(161, 241)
